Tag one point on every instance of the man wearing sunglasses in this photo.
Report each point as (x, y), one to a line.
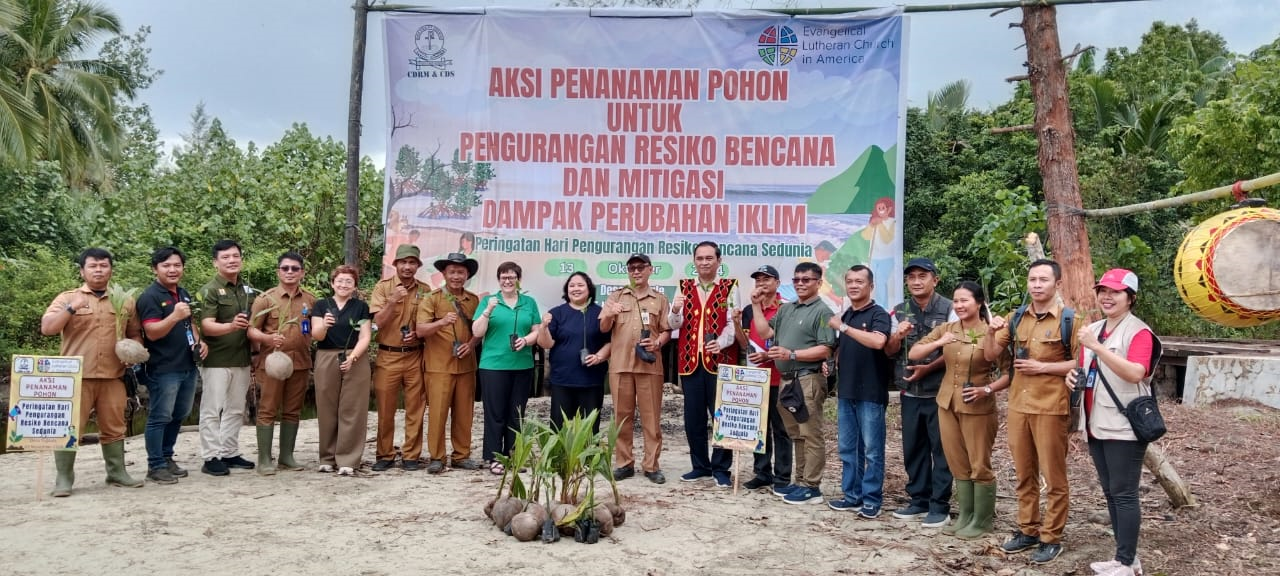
(801, 342)
(281, 320)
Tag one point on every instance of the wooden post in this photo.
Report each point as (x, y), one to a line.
(1057, 154)
(350, 234)
(1159, 465)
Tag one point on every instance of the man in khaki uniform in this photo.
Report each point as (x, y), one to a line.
(86, 321)
(394, 304)
(287, 301)
(444, 323)
(637, 318)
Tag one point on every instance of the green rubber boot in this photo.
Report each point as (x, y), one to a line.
(288, 436)
(984, 512)
(265, 468)
(964, 497)
(65, 461)
(113, 454)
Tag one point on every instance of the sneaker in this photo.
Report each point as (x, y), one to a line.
(723, 480)
(1122, 570)
(623, 473)
(803, 495)
(869, 511)
(783, 491)
(325, 468)
(936, 520)
(164, 476)
(383, 465)
(174, 468)
(411, 465)
(238, 462)
(657, 477)
(1047, 553)
(843, 505)
(346, 471)
(756, 484)
(435, 467)
(694, 476)
(1111, 565)
(910, 512)
(1019, 542)
(215, 467)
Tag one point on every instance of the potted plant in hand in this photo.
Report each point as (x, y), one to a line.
(278, 364)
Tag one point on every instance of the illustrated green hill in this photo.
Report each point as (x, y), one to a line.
(856, 190)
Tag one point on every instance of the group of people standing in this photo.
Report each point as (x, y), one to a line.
(947, 357)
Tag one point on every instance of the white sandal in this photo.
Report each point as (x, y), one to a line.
(327, 468)
(346, 471)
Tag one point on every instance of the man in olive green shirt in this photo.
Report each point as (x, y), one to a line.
(224, 321)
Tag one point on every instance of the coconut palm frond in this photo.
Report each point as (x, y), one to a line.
(952, 98)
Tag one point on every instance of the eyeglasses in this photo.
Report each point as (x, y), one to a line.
(511, 278)
(637, 267)
(290, 268)
(803, 279)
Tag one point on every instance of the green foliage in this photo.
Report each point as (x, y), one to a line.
(38, 209)
(998, 244)
(27, 286)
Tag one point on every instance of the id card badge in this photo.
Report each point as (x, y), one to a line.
(644, 317)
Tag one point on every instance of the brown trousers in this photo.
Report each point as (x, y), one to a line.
(396, 372)
(632, 391)
(106, 397)
(967, 440)
(1038, 443)
(808, 444)
(342, 409)
(285, 396)
(451, 398)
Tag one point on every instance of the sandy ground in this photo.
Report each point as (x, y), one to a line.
(401, 522)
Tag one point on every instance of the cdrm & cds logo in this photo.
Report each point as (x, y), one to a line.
(430, 52)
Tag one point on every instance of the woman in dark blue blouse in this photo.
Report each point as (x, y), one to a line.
(577, 350)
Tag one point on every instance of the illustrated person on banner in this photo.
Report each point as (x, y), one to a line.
(508, 324)
(445, 326)
(226, 306)
(1039, 418)
(281, 321)
(802, 342)
(864, 374)
(773, 468)
(703, 312)
(342, 327)
(636, 316)
(170, 336)
(928, 478)
(398, 367)
(577, 351)
(87, 321)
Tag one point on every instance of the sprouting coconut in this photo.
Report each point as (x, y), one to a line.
(278, 364)
(619, 513)
(128, 351)
(605, 518)
(505, 510)
(525, 526)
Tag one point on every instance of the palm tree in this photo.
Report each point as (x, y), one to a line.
(953, 98)
(73, 98)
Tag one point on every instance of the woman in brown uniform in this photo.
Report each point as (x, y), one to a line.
(967, 417)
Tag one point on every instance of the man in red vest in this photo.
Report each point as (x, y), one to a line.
(703, 312)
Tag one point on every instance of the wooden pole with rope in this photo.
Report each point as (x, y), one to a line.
(1238, 189)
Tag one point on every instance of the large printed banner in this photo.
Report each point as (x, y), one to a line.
(566, 140)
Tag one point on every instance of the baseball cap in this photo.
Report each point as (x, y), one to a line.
(640, 257)
(766, 270)
(1118, 279)
(921, 263)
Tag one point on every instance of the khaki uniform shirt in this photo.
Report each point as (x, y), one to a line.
(407, 315)
(91, 333)
(290, 305)
(627, 325)
(965, 362)
(1040, 393)
(439, 351)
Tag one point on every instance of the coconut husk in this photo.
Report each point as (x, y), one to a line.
(131, 352)
(605, 518)
(278, 365)
(558, 513)
(506, 509)
(525, 526)
(619, 513)
(538, 512)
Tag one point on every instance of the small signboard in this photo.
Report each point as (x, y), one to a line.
(742, 408)
(44, 403)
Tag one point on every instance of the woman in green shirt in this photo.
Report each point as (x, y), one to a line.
(508, 322)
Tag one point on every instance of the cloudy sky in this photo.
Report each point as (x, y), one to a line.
(261, 65)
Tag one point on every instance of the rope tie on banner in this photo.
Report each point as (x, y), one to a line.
(1237, 190)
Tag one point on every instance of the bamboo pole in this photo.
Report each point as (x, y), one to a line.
(1159, 466)
(953, 7)
(1219, 192)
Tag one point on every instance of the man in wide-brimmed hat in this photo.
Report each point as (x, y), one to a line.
(394, 304)
(444, 324)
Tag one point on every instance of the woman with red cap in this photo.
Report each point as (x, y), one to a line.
(1120, 354)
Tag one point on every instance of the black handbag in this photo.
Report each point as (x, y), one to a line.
(1143, 414)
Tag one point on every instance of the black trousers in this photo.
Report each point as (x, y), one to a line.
(775, 464)
(1119, 464)
(505, 394)
(576, 401)
(699, 401)
(928, 477)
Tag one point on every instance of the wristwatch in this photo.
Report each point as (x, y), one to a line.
(987, 389)
(843, 327)
(793, 356)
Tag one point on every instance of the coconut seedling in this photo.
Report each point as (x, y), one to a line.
(278, 364)
(127, 350)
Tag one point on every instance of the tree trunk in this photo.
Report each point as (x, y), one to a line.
(350, 235)
(1178, 491)
(1057, 154)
